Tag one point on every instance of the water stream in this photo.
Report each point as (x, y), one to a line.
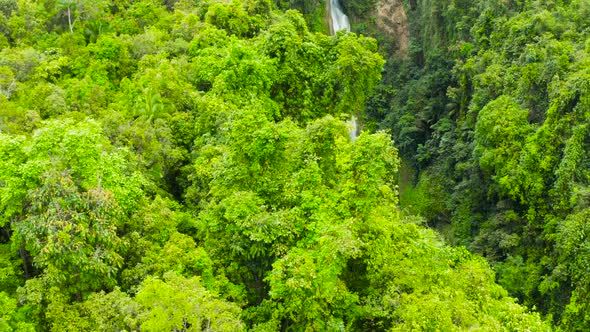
(340, 22)
(353, 132)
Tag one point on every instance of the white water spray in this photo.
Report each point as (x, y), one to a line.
(339, 20)
(353, 129)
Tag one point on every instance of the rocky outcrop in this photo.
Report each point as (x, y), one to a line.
(327, 17)
(393, 21)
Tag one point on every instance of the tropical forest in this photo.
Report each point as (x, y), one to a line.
(295, 165)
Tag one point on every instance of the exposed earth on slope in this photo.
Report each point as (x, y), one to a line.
(392, 20)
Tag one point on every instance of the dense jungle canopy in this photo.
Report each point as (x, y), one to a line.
(189, 165)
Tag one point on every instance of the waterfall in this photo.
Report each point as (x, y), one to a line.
(340, 22)
(353, 130)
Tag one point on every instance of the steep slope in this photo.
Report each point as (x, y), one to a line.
(182, 165)
(490, 110)
(391, 20)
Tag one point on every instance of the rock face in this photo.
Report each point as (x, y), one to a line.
(393, 21)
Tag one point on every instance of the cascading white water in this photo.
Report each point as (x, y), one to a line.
(340, 22)
(353, 130)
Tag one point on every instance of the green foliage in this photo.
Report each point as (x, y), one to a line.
(573, 250)
(499, 136)
(314, 12)
(359, 9)
(182, 165)
(10, 318)
(357, 67)
(70, 204)
(179, 303)
(114, 311)
(490, 109)
(235, 19)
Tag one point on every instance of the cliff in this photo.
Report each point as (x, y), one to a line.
(391, 20)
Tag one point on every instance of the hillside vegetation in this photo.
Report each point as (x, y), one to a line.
(490, 112)
(187, 166)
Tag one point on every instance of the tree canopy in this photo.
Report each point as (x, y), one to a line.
(187, 166)
(489, 111)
